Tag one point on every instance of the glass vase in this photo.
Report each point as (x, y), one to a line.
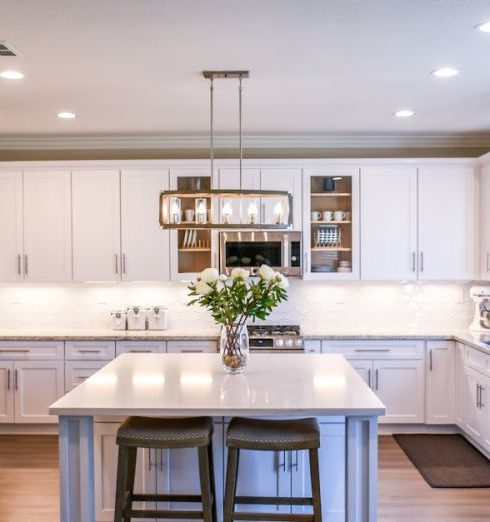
(234, 348)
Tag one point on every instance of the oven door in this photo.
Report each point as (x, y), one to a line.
(251, 250)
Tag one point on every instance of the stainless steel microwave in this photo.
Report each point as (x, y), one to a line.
(280, 250)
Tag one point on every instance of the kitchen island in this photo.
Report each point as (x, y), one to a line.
(169, 385)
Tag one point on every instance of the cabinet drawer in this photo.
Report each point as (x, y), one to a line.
(31, 350)
(192, 346)
(90, 350)
(140, 347)
(376, 349)
(312, 346)
(477, 360)
(78, 371)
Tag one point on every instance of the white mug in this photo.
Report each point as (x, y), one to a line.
(189, 214)
(315, 215)
(339, 215)
(327, 215)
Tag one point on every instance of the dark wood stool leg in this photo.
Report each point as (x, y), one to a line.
(205, 478)
(130, 474)
(315, 485)
(231, 480)
(122, 469)
(213, 483)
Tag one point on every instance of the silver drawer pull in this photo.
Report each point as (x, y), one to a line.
(377, 350)
(84, 376)
(89, 351)
(14, 351)
(191, 351)
(139, 351)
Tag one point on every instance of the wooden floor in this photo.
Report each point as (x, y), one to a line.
(29, 486)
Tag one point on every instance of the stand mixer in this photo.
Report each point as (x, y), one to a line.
(481, 297)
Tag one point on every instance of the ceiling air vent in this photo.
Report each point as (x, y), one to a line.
(7, 49)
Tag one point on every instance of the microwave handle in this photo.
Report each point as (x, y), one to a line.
(285, 251)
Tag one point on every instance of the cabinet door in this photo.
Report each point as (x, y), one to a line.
(229, 178)
(447, 223)
(11, 226)
(282, 179)
(363, 368)
(388, 223)
(105, 471)
(96, 230)
(332, 473)
(485, 223)
(6, 392)
(144, 245)
(459, 373)
(37, 385)
(440, 382)
(400, 386)
(47, 226)
(474, 415)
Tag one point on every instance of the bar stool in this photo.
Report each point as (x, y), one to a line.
(272, 435)
(144, 432)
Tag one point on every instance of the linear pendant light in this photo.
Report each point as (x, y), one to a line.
(172, 202)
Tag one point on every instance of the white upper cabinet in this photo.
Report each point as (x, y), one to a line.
(282, 179)
(388, 223)
(96, 225)
(485, 223)
(10, 226)
(47, 226)
(144, 245)
(447, 223)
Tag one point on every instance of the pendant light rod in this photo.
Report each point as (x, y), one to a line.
(211, 75)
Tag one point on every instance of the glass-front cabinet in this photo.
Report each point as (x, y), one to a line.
(192, 250)
(331, 223)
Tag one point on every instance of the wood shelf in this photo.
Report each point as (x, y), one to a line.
(331, 222)
(330, 249)
(331, 194)
(194, 249)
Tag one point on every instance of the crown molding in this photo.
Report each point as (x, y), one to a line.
(256, 141)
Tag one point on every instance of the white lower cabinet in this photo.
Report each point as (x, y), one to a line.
(459, 376)
(140, 347)
(394, 370)
(474, 413)
(31, 379)
(157, 471)
(440, 381)
(191, 346)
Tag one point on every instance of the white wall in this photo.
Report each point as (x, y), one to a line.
(314, 305)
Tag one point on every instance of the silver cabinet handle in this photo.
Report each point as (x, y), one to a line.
(377, 379)
(16, 381)
(26, 265)
(413, 262)
(369, 377)
(430, 360)
(116, 263)
(150, 464)
(362, 350)
(191, 351)
(281, 462)
(294, 465)
(478, 396)
(421, 261)
(140, 351)
(19, 264)
(123, 263)
(89, 351)
(481, 396)
(161, 459)
(8, 379)
(14, 351)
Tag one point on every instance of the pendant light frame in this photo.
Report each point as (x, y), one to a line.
(169, 197)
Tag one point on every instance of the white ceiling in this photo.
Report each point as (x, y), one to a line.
(316, 66)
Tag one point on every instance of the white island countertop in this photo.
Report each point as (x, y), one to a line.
(196, 384)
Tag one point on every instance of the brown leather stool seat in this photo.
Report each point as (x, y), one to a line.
(144, 432)
(272, 435)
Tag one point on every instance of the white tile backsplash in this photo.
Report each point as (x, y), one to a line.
(313, 305)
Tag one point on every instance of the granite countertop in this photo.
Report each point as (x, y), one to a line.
(183, 385)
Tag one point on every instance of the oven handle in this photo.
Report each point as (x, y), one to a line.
(276, 350)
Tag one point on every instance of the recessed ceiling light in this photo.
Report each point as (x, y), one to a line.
(66, 115)
(404, 113)
(11, 75)
(483, 27)
(445, 72)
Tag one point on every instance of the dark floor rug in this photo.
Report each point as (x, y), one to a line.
(446, 461)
